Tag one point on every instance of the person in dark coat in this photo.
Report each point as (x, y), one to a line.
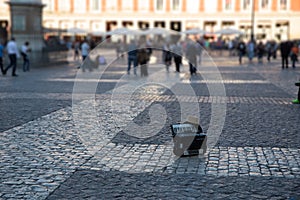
(285, 49)
(143, 59)
(191, 55)
(241, 50)
(260, 52)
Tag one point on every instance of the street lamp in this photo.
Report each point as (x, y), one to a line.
(252, 20)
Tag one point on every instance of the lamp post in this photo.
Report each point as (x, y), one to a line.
(252, 20)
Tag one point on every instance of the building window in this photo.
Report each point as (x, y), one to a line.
(283, 5)
(176, 5)
(192, 6)
(49, 5)
(228, 5)
(112, 5)
(246, 4)
(143, 5)
(159, 5)
(210, 5)
(265, 5)
(19, 23)
(95, 5)
(64, 5)
(127, 5)
(79, 7)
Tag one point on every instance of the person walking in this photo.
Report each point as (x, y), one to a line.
(132, 57)
(76, 50)
(167, 56)
(13, 54)
(294, 55)
(285, 49)
(1, 56)
(242, 50)
(24, 52)
(191, 55)
(260, 52)
(250, 50)
(177, 55)
(85, 48)
(143, 59)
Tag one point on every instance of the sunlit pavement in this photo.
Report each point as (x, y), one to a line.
(48, 153)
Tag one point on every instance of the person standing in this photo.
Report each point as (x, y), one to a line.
(24, 52)
(143, 59)
(167, 56)
(294, 55)
(13, 54)
(260, 52)
(76, 50)
(85, 48)
(285, 49)
(177, 55)
(191, 55)
(132, 56)
(242, 50)
(1, 56)
(250, 50)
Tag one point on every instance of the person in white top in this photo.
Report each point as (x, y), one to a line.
(85, 48)
(13, 54)
(24, 52)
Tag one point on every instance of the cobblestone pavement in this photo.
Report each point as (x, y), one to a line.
(52, 150)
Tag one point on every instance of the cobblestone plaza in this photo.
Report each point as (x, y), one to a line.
(46, 153)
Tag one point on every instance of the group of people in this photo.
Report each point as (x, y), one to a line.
(11, 48)
(288, 50)
(139, 55)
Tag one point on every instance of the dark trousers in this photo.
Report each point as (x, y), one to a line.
(25, 63)
(13, 63)
(132, 59)
(177, 60)
(285, 61)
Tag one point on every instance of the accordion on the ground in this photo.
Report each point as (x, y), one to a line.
(188, 139)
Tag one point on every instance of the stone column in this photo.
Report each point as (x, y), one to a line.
(26, 22)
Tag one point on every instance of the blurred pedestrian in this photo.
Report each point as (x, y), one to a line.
(241, 47)
(85, 49)
(24, 52)
(274, 49)
(177, 55)
(13, 54)
(269, 50)
(1, 56)
(191, 55)
(251, 50)
(167, 56)
(76, 50)
(260, 52)
(132, 56)
(285, 49)
(143, 59)
(294, 55)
